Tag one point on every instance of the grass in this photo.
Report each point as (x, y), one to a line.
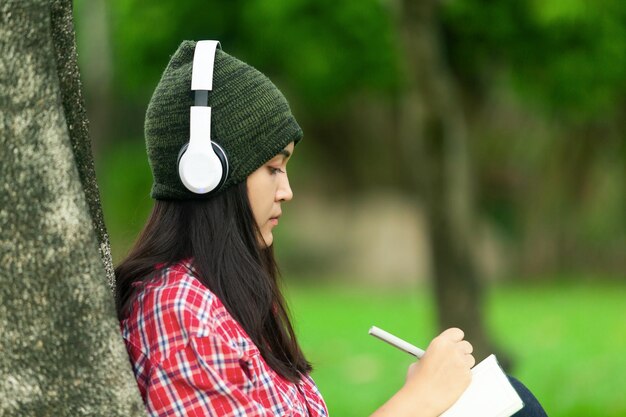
(568, 341)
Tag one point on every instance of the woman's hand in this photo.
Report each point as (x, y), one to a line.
(442, 375)
(436, 381)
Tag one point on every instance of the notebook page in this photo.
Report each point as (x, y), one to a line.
(490, 394)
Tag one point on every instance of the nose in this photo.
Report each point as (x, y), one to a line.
(284, 193)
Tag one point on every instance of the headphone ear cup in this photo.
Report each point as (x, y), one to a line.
(202, 171)
(181, 153)
(221, 155)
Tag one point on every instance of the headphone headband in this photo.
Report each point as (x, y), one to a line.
(201, 83)
(203, 62)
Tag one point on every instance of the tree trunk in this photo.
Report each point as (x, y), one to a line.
(62, 354)
(433, 135)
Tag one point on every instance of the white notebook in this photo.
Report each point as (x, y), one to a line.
(490, 394)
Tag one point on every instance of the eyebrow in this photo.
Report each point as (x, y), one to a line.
(285, 153)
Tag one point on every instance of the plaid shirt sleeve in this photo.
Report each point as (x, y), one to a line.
(206, 378)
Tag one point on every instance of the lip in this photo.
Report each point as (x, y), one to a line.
(274, 220)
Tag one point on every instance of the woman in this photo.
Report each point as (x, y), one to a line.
(202, 315)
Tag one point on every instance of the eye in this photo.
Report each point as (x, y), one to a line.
(274, 170)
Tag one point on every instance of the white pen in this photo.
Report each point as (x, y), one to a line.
(396, 341)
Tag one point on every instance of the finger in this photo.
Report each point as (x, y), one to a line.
(471, 361)
(465, 346)
(454, 334)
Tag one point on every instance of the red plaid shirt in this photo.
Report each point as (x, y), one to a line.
(191, 358)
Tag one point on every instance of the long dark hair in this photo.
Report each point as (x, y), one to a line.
(221, 237)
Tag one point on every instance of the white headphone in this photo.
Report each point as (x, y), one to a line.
(202, 163)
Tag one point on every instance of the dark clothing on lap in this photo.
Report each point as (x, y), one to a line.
(532, 408)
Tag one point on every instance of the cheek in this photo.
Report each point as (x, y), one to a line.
(266, 199)
(260, 194)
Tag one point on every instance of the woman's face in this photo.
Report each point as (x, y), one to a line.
(268, 187)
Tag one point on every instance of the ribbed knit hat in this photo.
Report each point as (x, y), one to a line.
(251, 120)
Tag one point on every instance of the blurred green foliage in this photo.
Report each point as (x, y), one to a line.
(568, 56)
(124, 176)
(325, 50)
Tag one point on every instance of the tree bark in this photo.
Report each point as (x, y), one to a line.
(433, 137)
(62, 354)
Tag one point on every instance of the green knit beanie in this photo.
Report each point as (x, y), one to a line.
(251, 120)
